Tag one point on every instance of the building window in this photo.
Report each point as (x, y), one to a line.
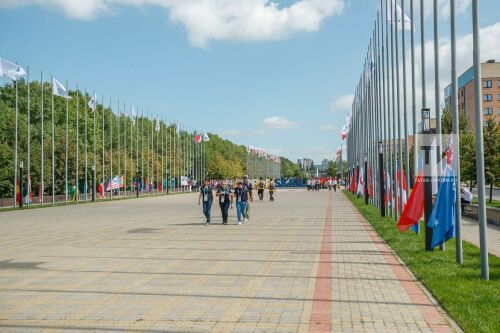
(487, 84)
(488, 97)
(488, 111)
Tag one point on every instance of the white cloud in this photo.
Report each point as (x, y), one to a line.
(206, 20)
(343, 104)
(279, 123)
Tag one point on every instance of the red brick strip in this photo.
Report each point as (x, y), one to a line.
(429, 312)
(321, 315)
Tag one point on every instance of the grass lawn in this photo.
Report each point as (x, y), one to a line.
(473, 303)
(494, 203)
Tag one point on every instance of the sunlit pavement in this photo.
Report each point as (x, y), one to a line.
(306, 262)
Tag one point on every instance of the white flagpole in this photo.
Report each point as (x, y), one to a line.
(142, 149)
(28, 181)
(119, 153)
(148, 133)
(77, 141)
(483, 229)
(15, 139)
(110, 148)
(94, 166)
(405, 111)
(103, 167)
(456, 132)
(86, 148)
(413, 93)
(53, 158)
(66, 156)
(41, 140)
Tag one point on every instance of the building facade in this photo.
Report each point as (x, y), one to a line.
(490, 77)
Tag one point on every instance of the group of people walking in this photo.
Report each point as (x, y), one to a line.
(315, 184)
(227, 192)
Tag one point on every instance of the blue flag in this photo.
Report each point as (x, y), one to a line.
(442, 219)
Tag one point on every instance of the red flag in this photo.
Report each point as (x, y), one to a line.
(414, 209)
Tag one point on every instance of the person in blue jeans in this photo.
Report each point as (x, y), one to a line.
(241, 195)
(207, 195)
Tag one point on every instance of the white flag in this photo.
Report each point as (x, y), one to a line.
(390, 16)
(93, 102)
(10, 70)
(205, 137)
(59, 90)
(157, 124)
(134, 116)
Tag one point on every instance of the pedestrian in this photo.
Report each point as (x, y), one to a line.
(465, 199)
(330, 183)
(248, 184)
(261, 185)
(242, 195)
(335, 184)
(224, 193)
(272, 188)
(206, 194)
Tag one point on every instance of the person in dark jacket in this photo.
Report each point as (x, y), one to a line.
(224, 193)
(206, 194)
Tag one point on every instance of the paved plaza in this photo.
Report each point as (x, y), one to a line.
(308, 262)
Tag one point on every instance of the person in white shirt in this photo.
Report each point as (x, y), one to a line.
(465, 198)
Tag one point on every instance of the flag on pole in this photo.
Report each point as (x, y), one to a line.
(11, 70)
(205, 137)
(442, 219)
(361, 182)
(59, 90)
(157, 125)
(134, 116)
(390, 16)
(414, 210)
(93, 102)
(197, 138)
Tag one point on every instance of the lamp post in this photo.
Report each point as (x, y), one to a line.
(427, 147)
(21, 184)
(381, 177)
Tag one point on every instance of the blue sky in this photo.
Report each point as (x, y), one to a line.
(279, 87)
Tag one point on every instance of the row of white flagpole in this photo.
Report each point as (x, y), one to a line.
(378, 101)
(193, 153)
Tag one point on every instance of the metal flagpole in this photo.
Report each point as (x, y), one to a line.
(110, 148)
(437, 95)
(413, 95)
(77, 140)
(53, 158)
(15, 139)
(86, 148)
(400, 150)
(103, 168)
(66, 156)
(119, 152)
(456, 132)
(385, 91)
(94, 166)
(42, 187)
(393, 141)
(29, 139)
(405, 104)
(483, 230)
(389, 107)
(142, 151)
